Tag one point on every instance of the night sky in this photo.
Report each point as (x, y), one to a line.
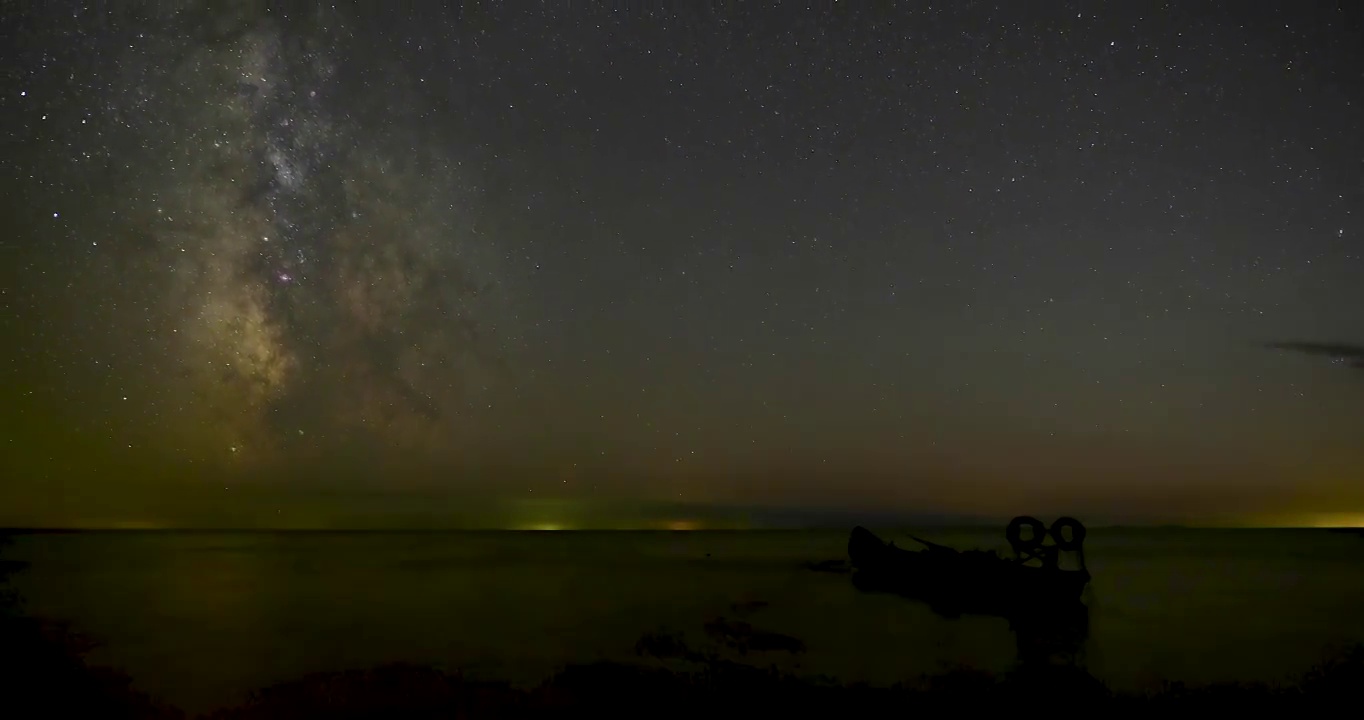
(275, 264)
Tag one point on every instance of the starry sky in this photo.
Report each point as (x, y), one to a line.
(968, 257)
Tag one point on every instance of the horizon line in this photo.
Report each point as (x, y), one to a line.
(55, 530)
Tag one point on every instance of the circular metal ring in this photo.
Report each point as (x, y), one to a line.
(1077, 533)
(1015, 532)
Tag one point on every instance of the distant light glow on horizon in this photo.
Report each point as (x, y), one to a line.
(1336, 520)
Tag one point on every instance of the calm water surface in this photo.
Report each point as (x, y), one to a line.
(199, 619)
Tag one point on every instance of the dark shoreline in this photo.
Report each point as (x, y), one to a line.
(614, 689)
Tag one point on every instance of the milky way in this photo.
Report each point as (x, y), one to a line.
(947, 254)
(319, 277)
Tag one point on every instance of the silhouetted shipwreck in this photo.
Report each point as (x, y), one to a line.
(955, 582)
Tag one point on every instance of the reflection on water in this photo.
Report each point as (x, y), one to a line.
(201, 618)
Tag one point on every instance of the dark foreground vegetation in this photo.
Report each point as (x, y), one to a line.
(43, 673)
(732, 690)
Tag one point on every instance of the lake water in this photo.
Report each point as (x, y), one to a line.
(199, 619)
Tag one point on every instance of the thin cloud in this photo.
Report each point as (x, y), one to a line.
(1347, 354)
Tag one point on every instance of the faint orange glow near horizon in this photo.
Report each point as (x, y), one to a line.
(1307, 520)
(1336, 520)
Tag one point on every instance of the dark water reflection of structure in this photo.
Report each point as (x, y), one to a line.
(1052, 637)
(1041, 600)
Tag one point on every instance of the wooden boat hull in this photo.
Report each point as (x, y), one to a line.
(955, 582)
